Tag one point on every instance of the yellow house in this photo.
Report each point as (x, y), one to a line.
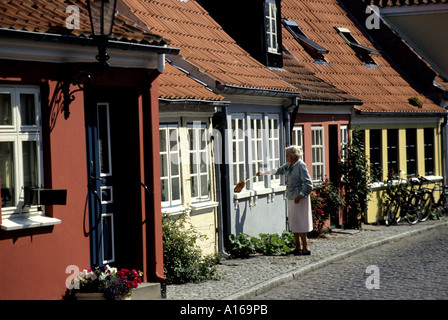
(407, 145)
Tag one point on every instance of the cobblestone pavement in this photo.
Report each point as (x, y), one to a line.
(246, 278)
(407, 269)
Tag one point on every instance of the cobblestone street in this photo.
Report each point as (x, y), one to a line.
(409, 268)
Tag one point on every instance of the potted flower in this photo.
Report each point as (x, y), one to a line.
(105, 282)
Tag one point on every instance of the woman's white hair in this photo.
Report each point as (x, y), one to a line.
(294, 151)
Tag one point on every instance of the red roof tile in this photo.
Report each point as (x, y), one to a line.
(381, 89)
(49, 16)
(391, 3)
(176, 84)
(312, 89)
(204, 44)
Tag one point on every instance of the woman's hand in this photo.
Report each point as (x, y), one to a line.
(298, 198)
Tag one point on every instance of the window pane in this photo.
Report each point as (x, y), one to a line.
(162, 140)
(5, 109)
(27, 109)
(103, 138)
(175, 184)
(174, 168)
(107, 228)
(7, 174)
(165, 187)
(163, 165)
(194, 186)
(173, 140)
(30, 166)
(204, 185)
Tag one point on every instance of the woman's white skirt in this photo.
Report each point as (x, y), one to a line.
(300, 218)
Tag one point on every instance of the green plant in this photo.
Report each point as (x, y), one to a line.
(183, 259)
(415, 101)
(356, 178)
(326, 200)
(242, 245)
(112, 283)
(275, 243)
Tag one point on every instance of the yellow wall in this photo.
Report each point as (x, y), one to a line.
(374, 212)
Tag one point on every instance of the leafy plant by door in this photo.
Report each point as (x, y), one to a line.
(183, 259)
(356, 178)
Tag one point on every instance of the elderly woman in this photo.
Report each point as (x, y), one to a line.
(298, 188)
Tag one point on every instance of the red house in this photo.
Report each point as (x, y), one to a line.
(79, 164)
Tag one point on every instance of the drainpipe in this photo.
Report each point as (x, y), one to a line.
(221, 196)
(160, 62)
(294, 108)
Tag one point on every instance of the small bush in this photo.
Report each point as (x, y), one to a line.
(183, 259)
(242, 245)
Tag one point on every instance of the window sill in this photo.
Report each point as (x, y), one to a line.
(175, 210)
(382, 185)
(19, 222)
(200, 206)
(258, 192)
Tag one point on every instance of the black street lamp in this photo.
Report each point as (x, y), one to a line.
(101, 14)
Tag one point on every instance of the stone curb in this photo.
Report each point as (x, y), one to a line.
(266, 285)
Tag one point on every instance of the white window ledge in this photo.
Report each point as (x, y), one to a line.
(175, 210)
(206, 205)
(258, 192)
(18, 222)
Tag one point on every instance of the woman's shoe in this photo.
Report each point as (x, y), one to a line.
(306, 252)
(297, 252)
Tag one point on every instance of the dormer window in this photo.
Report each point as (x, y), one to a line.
(362, 52)
(312, 48)
(271, 26)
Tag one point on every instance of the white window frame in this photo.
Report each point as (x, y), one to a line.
(17, 133)
(271, 26)
(199, 156)
(318, 151)
(238, 141)
(297, 135)
(172, 155)
(344, 139)
(274, 145)
(257, 147)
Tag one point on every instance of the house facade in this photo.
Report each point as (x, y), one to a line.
(323, 37)
(71, 198)
(249, 132)
(188, 171)
(398, 135)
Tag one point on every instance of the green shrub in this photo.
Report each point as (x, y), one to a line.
(183, 259)
(242, 245)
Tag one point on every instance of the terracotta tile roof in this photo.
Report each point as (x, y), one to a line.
(204, 44)
(49, 16)
(382, 89)
(176, 84)
(312, 88)
(391, 3)
(441, 83)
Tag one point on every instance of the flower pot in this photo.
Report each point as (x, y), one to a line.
(99, 296)
(90, 296)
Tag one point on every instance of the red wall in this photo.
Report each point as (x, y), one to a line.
(33, 261)
(307, 120)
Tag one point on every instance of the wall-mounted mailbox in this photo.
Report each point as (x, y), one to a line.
(45, 197)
